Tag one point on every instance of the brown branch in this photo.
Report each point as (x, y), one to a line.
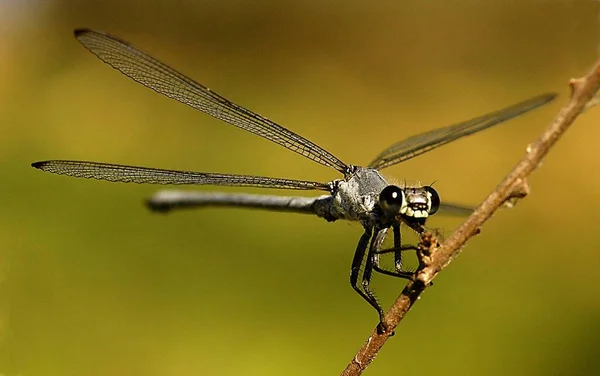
(434, 257)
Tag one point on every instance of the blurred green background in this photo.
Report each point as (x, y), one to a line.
(94, 284)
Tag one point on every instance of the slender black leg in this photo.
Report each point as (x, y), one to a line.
(372, 259)
(397, 250)
(407, 247)
(359, 254)
(397, 245)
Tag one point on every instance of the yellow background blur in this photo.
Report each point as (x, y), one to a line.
(94, 284)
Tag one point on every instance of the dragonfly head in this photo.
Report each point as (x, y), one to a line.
(415, 203)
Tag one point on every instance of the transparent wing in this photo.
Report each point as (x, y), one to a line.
(424, 142)
(163, 79)
(133, 174)
(455, 209)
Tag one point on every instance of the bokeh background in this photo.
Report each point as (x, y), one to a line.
(92, 283)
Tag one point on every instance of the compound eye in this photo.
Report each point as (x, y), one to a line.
(434, 198)
(392, 199)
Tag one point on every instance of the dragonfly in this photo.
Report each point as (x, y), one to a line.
(362, 195)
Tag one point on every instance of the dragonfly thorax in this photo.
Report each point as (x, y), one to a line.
(356, 196)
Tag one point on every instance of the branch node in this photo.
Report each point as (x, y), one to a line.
(427, 246)
(575, 84)
(520, 188)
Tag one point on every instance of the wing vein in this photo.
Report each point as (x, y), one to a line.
(163, 79)
(424, 142)
(146, 175)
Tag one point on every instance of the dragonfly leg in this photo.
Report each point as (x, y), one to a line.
(359, 255)
(371, 261)
(397, 250)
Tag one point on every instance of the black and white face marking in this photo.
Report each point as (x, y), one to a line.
(434, 200)
(421, 202)
(415, 202)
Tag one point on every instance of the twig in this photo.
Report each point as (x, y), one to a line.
(434, 257)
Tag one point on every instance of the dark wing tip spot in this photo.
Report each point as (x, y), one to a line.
(80, 31)
(38, 165)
